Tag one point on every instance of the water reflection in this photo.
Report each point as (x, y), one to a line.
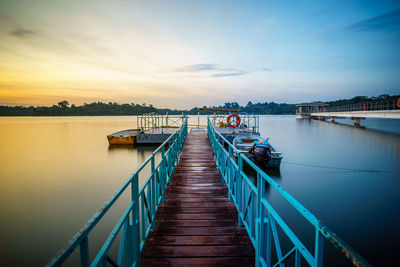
(325, 168)
(61, 171)
(274, 173)
(54, 177)
(115, 148)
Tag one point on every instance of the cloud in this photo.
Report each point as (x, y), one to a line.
(22, 33)
(226, 74)
(266, 69)
(382, 22)
(208, 70)
(197, 68)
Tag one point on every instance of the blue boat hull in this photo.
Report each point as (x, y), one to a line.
(274, 162)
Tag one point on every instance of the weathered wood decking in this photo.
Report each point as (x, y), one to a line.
(197, 225)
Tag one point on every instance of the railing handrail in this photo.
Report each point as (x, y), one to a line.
(167, 162)
(370, 105)
(232, 170)
(154, 120)
(251, 120)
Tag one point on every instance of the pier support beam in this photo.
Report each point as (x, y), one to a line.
(357, 121)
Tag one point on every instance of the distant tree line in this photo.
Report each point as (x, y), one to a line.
(257, 108)
(361, 99)
(63, 108)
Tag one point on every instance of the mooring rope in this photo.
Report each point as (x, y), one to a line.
(335, 168)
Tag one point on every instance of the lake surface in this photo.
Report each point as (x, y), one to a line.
(56, 172)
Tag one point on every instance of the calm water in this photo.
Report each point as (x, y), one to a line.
(56, 172)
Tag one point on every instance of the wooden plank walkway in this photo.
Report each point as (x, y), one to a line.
(197, 225)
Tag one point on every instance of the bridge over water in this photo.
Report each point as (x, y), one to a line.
(388, 108)
(199, 206)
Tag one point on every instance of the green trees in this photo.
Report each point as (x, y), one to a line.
(360, 99)
(63, 108)
(263, 108)
(63, 104)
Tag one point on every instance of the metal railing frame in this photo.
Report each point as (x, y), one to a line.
(152, 121)
(388, 104)
(139, 218)
(250, 120)
(372, 105)
(260, 219)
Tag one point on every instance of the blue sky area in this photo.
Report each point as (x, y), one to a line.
(194, 53)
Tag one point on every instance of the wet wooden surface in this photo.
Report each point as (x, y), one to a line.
(197, 225)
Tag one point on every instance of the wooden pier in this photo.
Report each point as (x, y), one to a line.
(181, 215)
(197, 225)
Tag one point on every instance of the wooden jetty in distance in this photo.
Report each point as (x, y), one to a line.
(197, 225)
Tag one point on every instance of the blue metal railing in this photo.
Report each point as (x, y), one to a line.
(153, 120)
(374, 105)
(139, 218)
(261, 220)
(392, 103)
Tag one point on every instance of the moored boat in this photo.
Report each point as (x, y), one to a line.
(258, 150)
(125, 137)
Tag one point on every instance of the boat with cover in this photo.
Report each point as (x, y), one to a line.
(258, 150)
(242, 131)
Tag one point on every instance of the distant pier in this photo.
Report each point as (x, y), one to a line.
(388, 109)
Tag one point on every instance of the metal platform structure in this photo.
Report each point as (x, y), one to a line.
(150, 121)
(250, 124)
(388, 109)
(155, 128)
(198, 206)
(152, 129)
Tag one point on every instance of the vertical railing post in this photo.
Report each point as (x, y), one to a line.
(163, 178)
(259, 233)
(129, 244)
(239, 188)
(297, 258)
(169, 159)
(84, 252)
(319, 248)
(135, 221)
(268, 239)
(229, 173)
(176, 149)
(153, 198)
(143, 217)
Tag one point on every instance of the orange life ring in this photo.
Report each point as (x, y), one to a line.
(398, 103)
(228, 120)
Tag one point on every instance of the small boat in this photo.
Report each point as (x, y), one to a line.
(258, 150)
(125, 137)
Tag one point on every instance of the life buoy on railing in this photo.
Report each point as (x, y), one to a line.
(398, 103)
(231, 124)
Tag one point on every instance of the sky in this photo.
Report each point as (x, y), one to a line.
(181, 54)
